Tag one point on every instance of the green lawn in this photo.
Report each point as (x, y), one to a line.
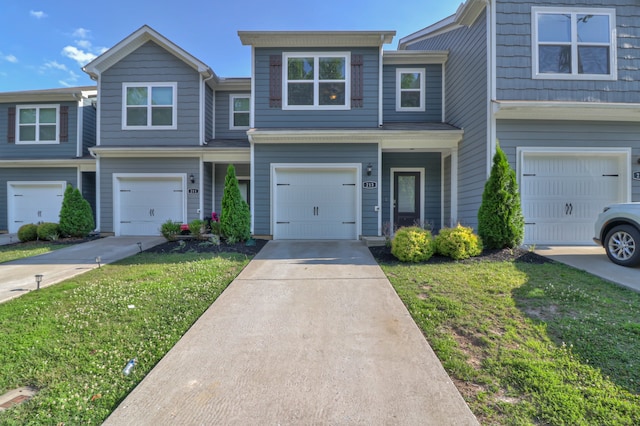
(72, 340)
(18, 251)
(530, 344)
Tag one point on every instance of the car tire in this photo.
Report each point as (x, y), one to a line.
(622, 245)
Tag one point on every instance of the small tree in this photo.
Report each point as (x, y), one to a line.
(500, 220)
(235, 220)
(76, 217)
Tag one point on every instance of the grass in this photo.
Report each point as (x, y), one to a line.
(72, 340)
(530, 344)
(18, 251)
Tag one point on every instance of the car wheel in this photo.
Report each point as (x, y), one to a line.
(622, 245)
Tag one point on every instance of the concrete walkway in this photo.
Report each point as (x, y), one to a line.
(18, 277)
(308, 333)
(593, 260)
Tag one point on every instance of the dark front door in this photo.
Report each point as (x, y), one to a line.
(406, 190)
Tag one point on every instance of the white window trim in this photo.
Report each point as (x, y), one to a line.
(232, 99)
(613, 45)
(399, 90)
(37, 124)
(316, 55)
(149, 85)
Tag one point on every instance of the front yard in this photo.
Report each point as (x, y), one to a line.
(18, 251)
(526, 343)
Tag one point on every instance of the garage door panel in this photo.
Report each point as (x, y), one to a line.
(34, 202)
(563, 194)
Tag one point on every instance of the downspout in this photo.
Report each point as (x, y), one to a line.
(380, 89)
(491, 85)
(252, 125)
(203, 95)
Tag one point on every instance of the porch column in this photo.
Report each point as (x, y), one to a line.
(454, 186)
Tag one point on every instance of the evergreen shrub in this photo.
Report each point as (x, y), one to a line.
(412, 244)
(28, 232)
(458, 243)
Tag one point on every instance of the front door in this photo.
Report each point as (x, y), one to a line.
(406, 191)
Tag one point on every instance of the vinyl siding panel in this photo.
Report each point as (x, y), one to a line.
(433, 95)
(89, 190)
(514, 56)
(367, 116)
(466, 107)
(207, 187)
(67, 149)
(432, 186)
(208, 113)
(36, 174)
(265, 155)
(572, 134)
(88, 127)
(150, 63)
(109, 166)
(223, 118)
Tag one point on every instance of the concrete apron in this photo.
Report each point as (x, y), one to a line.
(308, 333)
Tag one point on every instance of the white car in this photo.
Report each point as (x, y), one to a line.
(617, 229)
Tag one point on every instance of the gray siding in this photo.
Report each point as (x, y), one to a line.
(88, 127)
(242, 170)
(89, 190)
(514, 61)
(150, 63)
(466, 107)
(304, 153)
(207, 187)
(447, 219)
(67, 174)
(574, 134)
(223, 119)
(39, 151)
(433, 95)
(109, 166)
(367, 116)
(208, 113)
(432, 201)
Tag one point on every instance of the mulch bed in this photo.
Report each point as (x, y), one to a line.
(383, 255)
(249, 248)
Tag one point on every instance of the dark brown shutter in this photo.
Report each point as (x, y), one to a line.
(11, 125)
(64, 123)
(275, 81)
(357, 83)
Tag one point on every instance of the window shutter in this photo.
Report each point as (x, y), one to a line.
(275, 81)
(64, 123)
(357, 83)
(11, 125)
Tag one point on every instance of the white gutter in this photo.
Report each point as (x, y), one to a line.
(380, 89)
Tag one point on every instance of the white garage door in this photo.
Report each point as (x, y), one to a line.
(143, 204)
(315, 204)
(34, 202)
(562, 194)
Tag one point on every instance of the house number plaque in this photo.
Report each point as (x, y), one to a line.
(636, 175)
(370, 184)
(193, 190)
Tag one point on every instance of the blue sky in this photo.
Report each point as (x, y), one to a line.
(44, 44)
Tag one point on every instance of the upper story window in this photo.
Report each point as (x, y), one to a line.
(410, 84)
(149, 106)
(37, 124)
(316, 81)
(239, 112)
(574, 43)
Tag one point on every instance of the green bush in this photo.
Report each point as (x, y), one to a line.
(170, 230)
(196, 227)
(500, 220)
(76, 216)
(458, 243)
(48, 231)
(235, 220)
(216, 228)
(412, 244)
(28, 232)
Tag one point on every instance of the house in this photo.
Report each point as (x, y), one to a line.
(331, 138)
(46, 135)
(558, 85)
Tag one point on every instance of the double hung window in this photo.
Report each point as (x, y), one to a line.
(316, 81)
(37, 124)
(410, 89)
(239, 113)
(149, 106)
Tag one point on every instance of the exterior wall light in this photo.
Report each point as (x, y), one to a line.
(192, 178)
(369, 169)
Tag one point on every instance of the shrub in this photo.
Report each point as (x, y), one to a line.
(412, 244)
(170, 230)
(76, 216)
(28, 232)
(48, 231)
(458, 243)
(500, 220)
(216, 228)
(235, 220)
(196, 227)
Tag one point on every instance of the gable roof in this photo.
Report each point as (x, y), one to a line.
(465, 15)
(134, 41)
(316, 38)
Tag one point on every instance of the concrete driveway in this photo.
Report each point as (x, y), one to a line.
(593, 260)
(308, 333)
(18, 277)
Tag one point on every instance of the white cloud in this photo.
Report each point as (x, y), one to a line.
(10, 58)
(55, 65)
(81, 33)
(80, 56)
(71, 80)
(85, 44)
(38, 14)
